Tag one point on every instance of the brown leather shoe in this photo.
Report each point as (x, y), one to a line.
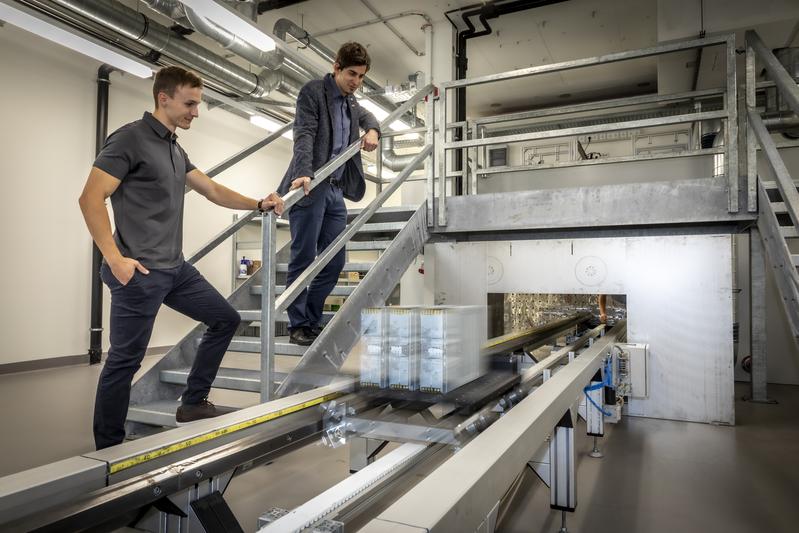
(187, 413)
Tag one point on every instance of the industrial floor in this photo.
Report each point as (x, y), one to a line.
(656, 476)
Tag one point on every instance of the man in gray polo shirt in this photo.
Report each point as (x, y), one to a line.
(145, 171)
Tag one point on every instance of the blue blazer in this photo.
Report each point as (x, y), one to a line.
(313, 139)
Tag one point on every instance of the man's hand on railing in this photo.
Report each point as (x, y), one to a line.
(273, 201)
(370, 140)
(304, 182)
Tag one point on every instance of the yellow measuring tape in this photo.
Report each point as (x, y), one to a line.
(182, 445)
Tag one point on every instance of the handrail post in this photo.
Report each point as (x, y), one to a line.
(441, 156)
(268, 267)
(429, 163)
(732, 125)
(379, 165)
(751, 146)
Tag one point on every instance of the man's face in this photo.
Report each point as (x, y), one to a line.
(183, 107)
(349, 79)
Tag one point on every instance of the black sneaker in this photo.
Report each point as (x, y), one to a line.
(301, 336)
(316, 330)
(187, 413)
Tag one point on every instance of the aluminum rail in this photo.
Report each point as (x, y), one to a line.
(33, 490)
(587, 130)
(331, 166)
(487, 466)
(602, 161)
(516, 340)
(588, 62)
(601, 104)
(317, 508)
(307, 276)
(293, 196)
(488, 415)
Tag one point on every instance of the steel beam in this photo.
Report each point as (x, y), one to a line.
(588, 62)
(757, 336)
(588, 130)
(693, 201)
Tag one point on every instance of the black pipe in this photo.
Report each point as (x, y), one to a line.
(96, 331)
(490, 10)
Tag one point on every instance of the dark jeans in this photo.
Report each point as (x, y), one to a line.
(313, 228)
(133, 310)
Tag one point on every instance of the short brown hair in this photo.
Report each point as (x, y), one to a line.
(170, 78)
(353, 54)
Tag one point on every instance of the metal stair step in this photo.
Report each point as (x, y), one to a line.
(161, 413)
(789, 232)
(779, 208)
(253, 345)
(795, 259)
(338, 290)
(226, 378)
(402, 209)
(769, 185)
(254, 315)
(348, 267)
(380, 227)
(366, 228)
(367, 245)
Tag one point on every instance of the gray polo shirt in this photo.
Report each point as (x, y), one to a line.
(148, 205)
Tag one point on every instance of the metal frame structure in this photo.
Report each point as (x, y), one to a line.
(729, 114)
(774, 235)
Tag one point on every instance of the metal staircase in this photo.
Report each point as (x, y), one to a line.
(778, 200)
(397, 233)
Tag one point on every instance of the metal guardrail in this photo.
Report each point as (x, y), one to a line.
(469, 172)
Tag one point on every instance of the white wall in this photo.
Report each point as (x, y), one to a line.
(48, 100)
(679, 301)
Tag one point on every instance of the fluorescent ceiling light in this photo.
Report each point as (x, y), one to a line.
(233, 22)
(269, 125)
(52, 30)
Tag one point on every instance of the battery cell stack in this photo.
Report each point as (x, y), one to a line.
(403, 348)
(451, 338)
(374, 347)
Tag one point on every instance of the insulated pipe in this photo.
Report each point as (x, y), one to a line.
(394, 161)
(278, 77)
(139, 28)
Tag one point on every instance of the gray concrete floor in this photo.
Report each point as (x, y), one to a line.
(656, 476)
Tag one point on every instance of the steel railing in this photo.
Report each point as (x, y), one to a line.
(270, 306)
(473, 128)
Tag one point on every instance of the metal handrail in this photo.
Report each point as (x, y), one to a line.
(729, 115)
(269, 239)
(299, 284)
(220, 237)
(292, 197)
(756, 129)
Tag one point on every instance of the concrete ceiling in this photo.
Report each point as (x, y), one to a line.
(568, 30)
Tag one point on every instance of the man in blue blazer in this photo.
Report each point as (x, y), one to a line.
(327, 120)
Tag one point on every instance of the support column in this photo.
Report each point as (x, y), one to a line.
(562, 471)
(757, 283)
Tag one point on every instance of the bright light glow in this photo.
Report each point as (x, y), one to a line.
(379, 113)
(56, 32)
(233, 22)
(269, 125)
(386, 174)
